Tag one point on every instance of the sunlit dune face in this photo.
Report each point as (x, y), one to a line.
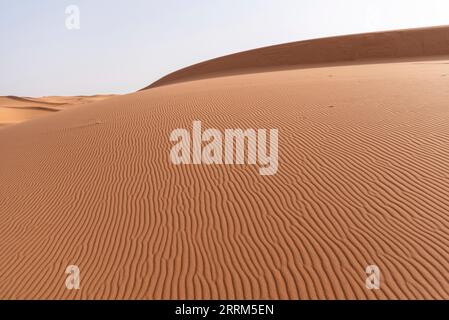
(15, 110)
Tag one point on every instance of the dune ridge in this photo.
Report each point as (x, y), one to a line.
(14, 110)
(363, 179)
(367, 47)
(35, 108)
(32, 100)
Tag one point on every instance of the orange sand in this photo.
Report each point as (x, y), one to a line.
(14, 109)
(363, 179)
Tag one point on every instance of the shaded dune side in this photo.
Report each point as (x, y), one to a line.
(32, 100)
(40, 108)
(365, 182)
(422, 42)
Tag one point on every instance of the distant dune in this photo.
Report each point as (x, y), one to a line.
(363, 179)
(14, 109)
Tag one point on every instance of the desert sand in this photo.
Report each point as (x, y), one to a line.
(363, 179)
(14, 109)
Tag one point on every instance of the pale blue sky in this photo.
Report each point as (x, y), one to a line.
(125, 45)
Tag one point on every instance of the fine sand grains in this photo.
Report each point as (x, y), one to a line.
(363, 182)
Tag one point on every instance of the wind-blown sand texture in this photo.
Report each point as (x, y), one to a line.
(14, 109)
(363, 179)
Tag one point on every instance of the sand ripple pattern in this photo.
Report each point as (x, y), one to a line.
(363, 179)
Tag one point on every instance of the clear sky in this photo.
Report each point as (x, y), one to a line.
(124, 45)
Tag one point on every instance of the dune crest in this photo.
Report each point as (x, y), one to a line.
(388, 45)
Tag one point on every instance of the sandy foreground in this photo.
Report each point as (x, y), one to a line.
(363, 180)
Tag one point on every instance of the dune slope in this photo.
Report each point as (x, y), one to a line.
(363, 180)
(359, 48)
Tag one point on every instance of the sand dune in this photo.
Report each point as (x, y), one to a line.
(35, 108)
(15, 109)
(363, 179)
(361, 48)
